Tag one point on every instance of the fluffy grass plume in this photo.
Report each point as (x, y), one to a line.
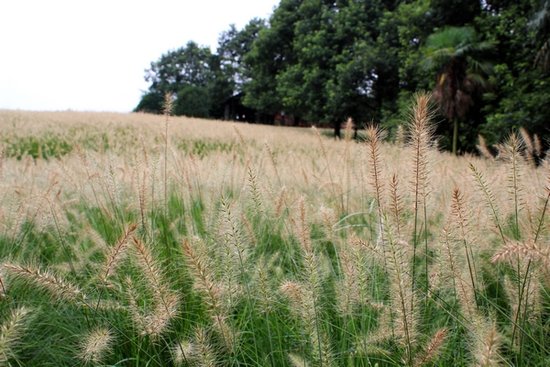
(57, 287)
(11, 331)
(116, 255)
(95, 345)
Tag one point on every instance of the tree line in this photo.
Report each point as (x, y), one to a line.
(487, 63)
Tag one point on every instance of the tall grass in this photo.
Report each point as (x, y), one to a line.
(267, 246)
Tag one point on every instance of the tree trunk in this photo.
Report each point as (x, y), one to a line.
(337, 128)
(455, 135)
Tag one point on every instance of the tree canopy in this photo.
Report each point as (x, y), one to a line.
(323, 61)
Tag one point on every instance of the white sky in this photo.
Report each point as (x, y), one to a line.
(91, 54)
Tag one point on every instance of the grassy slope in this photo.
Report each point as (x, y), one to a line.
(239, 244)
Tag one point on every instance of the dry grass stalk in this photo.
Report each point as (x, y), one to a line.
(183, 352)
(346, 174)
(348, 129)
(326, 357)
(403, 302)
(489, 197)
(461, 221)
(214, 294)
(347, 292)
(528, 145)
(531, 299)
(333, 184)
(373, 143)
(537, 145)
(486, 346)
(304, 303)
(3, 286)
(204, 281)
(353, 287)
(396, 206)
(254, 189)
(138, 318)
(165, 300)
(420, 135)
(433, 348)
(483, 149)
(233, 252)
(95, 346)
(512, 153)
(141, 194)
(250, 234)
(150, 322)
(56, 286)
(400, 136)
(454, 267)
(167, 109)
(328, 219)
(96, 238)
(116, 254)
(266, 298)
(297, 361)
(234, 240)
(524, 250)
(11, 331)
(293, 291)
(402, 314)
(151, 269)
(280, 203)
(302, 228)
(240, 136)
(110, 185)
(157, 322)
(274, 163)
(370, 344)
(230, 337)
(204, 352)
(312, 269)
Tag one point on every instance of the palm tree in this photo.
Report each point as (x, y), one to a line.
(540, 22)
(455, 53)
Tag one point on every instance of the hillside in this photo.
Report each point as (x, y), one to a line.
(136, 239)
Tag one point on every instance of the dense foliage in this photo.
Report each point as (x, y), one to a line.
(323, 61)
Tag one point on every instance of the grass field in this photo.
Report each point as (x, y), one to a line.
(141, 240)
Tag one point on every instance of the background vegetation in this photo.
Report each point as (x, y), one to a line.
(324, 61)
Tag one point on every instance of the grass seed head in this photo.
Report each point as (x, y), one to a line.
(58, 287)
(11, 331)
(96, 345)
(183, 352)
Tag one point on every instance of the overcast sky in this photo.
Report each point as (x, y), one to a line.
(91, 54)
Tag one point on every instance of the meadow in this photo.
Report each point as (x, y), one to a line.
(149, 240)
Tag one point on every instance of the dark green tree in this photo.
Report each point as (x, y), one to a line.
(301, 84)
(271, 53)
(178, 72)
(326, 60)
(233, 46)
(186, 65)
(520, 87)
(357, 82)
(193, 100)
(323, 61)
(151, 102)
(454, 13)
